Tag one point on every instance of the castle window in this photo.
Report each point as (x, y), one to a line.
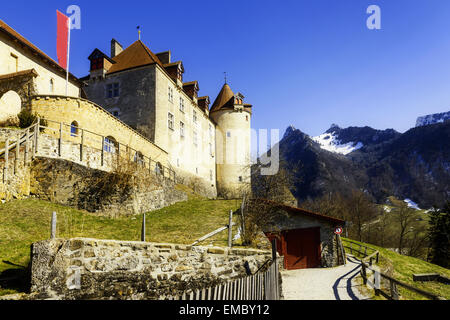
(246, 118)
(52, 86)
(112, 90)
(74, 129)
(194, 116)
(170, 121)
(158, 168)
(195, 138)
(110, 145)
(228, 134)
(181, 129)
(211, 149)
(196, 170)
(210, 132)
(15, 63)
(170, 94)
(96, 64)
(240, 179)
(211, 175)
(139, 158)
(181, 104)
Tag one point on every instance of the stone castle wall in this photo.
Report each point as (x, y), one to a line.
(107, 189)
(106, 269)
(94, 123)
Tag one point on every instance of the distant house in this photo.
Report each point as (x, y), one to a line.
(305, 239)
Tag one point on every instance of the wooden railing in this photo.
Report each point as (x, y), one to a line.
(362, 250)
(26, 138)
(366, 265)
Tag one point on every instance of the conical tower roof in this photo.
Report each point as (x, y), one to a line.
(224, 98)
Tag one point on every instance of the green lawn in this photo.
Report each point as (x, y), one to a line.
(405, 267)
(23, 222)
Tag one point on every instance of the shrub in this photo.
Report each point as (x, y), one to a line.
(27, 118)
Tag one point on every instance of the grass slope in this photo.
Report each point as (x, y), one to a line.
(405, 267)
(23, 222)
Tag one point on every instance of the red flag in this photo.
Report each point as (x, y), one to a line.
(62, 38)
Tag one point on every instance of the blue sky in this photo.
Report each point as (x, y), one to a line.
(308, 63)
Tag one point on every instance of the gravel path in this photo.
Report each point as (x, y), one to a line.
(323, 283)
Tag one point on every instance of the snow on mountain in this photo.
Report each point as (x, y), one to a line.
(412, 204)
(328, 141)
(432, 119)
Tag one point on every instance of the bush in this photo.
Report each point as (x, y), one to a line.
(26, 119)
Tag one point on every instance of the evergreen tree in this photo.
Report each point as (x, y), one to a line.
(439, 235)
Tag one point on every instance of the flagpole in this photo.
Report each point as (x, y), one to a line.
(68, 56)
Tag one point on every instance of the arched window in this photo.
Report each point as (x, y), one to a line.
(110, 145)
(52, 85)
(74, 129)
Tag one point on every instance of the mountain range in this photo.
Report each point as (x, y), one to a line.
(412, 165)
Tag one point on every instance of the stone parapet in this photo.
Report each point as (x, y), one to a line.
(106, 269)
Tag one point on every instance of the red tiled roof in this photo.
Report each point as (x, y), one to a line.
(294, 210)
(18, 37)
(136, 55)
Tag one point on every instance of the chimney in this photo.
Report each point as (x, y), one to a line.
(116, 48)
(164, 57)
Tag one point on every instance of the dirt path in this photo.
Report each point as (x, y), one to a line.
(323, 283)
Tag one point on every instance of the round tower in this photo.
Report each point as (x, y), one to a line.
(233, 137)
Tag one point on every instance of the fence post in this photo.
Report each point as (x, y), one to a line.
(53, 228)
(36, 136)
(60, 139)
(363, 272)
(274, 269)
(230, 230)
(143, 229)
(103, 151)
(377, 282)
(243, 218)
(81, 145)
(16, 159)
(5, 169)
(393, 287)
(27, 139)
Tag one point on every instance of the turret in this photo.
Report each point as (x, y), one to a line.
(233, 136)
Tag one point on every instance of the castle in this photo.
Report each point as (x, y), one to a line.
(138, 98)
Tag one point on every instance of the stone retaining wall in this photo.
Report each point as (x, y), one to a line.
(74, 185)
(106, 269)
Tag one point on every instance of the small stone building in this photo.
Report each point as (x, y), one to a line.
(305, 239)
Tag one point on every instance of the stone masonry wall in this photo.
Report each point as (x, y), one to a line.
(106, 269)
(94, 190)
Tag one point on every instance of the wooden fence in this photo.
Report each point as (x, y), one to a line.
(374, 280)
(259, 286)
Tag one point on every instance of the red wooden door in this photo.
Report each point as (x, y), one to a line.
(302, 248)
